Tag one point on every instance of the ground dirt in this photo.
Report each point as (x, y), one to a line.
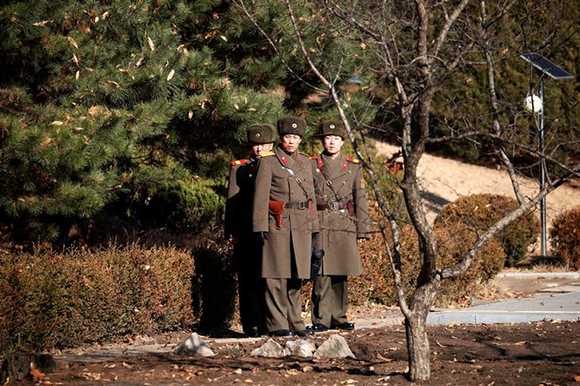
(521, 354)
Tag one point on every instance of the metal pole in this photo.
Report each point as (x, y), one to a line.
(542, 169)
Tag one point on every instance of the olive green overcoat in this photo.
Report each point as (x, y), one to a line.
(340, 230)
(274, 181)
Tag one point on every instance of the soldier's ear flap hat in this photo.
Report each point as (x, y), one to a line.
(291, 125)
(331, 128)
(261, 133)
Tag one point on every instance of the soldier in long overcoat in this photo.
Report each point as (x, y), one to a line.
(344, 219)
(285, 218)
(238, 229)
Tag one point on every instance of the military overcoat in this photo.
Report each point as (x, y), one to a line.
(285, 178)
(340, 181)
(238, 219)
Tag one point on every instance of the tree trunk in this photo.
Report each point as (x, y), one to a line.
(416, 330)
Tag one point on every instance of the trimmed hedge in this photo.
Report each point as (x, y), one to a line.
(565, 236)
(480, 211)
(79, 296)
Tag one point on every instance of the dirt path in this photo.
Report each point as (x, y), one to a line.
(515, 354)
(445, 180)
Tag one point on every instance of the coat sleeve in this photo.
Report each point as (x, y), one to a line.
(231, 204)
(363, 223)
(261, 197)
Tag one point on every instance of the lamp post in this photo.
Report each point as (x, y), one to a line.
(531, 103)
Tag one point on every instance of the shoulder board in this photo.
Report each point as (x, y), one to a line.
(239, 162)
(353, 160)
(314, 157)
(267, 154)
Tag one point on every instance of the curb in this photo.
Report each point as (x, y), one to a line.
(537, 275)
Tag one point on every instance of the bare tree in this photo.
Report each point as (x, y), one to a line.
(420, 47)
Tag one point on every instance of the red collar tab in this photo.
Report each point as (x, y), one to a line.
(345, 167)
(285, 160)
(239, 162)
(320, 163)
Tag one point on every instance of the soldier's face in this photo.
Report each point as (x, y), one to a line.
(259, 148)
(332, 144)
(290, 142)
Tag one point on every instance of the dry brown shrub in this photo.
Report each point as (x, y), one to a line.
(65, 299)
(376, 284)
(478, 212)
(565, 236)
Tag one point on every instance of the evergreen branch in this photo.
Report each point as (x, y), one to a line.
(273, 45)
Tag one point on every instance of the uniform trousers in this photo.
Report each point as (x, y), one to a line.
(283, 306)
(329, 300)
(247, 258)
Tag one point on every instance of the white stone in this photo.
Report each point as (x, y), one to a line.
(301, 347)
(334, 347)
(270, 349)
(194, 346)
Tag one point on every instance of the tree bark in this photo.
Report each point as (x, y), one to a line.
(416, 330)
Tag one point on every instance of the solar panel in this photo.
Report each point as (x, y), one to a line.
(547, 67)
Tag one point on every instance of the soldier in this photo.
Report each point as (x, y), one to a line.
(238, 229)
(343, 214)
(285, 220)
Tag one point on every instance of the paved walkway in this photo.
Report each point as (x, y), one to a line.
(554, 296)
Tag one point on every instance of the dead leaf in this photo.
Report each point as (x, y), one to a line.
(57, 123)
(125, 364)
(72, 41)
(521, 343)
(577, 378)
(238, 371)
(150, 42)
(171, 73)
(94, 110)
(36, 374)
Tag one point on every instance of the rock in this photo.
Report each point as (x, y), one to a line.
(334, 347)
(193, 346)
(271, 349)
(300, 347)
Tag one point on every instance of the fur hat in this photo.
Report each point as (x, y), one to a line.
(261, 133)
(331, 128)
(291, 125)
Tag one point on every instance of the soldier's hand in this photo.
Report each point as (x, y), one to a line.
(314, 237)
(262, 236)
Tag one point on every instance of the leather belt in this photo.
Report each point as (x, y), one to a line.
(332, 206)
(296, 205)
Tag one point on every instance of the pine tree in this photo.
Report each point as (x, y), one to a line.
(133, 109)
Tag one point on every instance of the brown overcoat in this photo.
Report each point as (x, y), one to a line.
(340, 230)
(274, 182)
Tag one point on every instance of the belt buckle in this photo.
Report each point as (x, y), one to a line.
(333, 206)
(301, 205)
